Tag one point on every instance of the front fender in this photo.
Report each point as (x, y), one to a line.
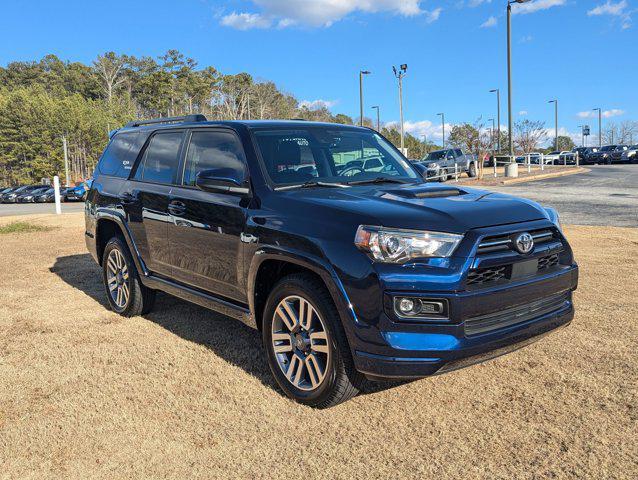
(313, 263)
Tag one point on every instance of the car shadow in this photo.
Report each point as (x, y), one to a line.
(228, 338)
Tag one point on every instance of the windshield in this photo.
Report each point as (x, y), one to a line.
(432, 156)
(329, 155)
(608, 148)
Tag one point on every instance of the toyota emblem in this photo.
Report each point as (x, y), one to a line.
(524, 243)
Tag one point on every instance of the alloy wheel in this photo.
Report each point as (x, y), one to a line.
(117, 277)
(300, 343)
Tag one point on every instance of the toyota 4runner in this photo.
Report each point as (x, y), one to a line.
(325, 239)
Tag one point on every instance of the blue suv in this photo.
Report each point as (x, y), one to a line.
(325, 239)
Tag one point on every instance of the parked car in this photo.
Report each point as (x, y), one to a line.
(77, 193)
(608, 154)
(630, 155)
(375, 274)
(372, 273)
(552, 158)
(585, 154)
(12, 197)
(440, 164)
(29, 197)
(534, 158)
(47, 196)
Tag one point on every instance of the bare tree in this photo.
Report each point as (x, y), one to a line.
(110, 69)
(528, 134)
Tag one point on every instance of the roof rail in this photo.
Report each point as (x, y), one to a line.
(183, 119)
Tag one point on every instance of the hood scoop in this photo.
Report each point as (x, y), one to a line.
(429, 192)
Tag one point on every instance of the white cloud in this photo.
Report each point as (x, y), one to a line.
(490, 22)
(320, 13)
(317, 104)
(433, 15)
(245, 21)
(536, 6)
(615, 112)
(619, 10)
(432, 130)
(476, 3)
(526, 39)
(522, 113)
(609, 8)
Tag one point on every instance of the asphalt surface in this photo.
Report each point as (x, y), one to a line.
(7, 209)
(607, 195)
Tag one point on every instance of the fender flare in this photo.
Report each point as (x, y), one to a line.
(317, 265)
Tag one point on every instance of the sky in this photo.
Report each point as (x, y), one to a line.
(582, 53)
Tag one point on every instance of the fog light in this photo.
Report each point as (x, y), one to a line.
(420, 308)
(408, 306)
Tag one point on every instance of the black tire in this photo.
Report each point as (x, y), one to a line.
(472, 170)
(140, 298)
(341, 380)
(443, 175)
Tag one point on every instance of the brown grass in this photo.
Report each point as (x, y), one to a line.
(185, 393)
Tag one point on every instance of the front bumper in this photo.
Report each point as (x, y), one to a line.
(417, 350)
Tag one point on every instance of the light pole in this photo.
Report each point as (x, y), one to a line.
(509, 72)
(403, 68)
(376, 107)
(498, 117)
(361, 74)
(492, 134)
(555, 102)
(600, 126)
(443, 126)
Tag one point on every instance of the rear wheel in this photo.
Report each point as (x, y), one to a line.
(306, 345)
(125, 292)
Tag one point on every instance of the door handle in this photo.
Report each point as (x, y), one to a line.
(128, 198)
(176, 207)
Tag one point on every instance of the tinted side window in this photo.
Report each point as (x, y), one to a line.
(458, 153)
(159, 164)
(211, 150)
(120, 154)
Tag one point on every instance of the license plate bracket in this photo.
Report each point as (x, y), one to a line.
(524, 269)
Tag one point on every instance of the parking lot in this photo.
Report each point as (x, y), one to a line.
(607, 195)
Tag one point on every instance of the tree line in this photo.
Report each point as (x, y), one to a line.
(42, 102)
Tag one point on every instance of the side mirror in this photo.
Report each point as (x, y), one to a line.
(221, 180)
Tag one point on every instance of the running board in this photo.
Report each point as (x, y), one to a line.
(201, 298)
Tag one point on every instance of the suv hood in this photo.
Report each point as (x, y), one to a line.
(421, 206)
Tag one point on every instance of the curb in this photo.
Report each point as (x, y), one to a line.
(543, 176)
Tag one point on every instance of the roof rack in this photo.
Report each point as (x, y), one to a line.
(183, 119)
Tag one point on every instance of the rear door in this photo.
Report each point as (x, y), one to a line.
(206, 227)
(145, 198)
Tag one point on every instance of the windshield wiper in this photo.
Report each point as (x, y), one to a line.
(379, 180)
(311, 184)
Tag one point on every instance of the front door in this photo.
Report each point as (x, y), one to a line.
(205, 229)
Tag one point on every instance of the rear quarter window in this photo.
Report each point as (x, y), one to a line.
(120, 154)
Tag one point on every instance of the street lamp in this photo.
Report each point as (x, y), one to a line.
(555, 102)
(443, 126)
(492, 133)
(498, 117)
(361, 74)
(509, 72)
(376, 107)
(403, 68)
(600, 127)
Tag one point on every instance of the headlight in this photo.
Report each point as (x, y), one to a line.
(398, 246)
(553, 217)
(433, 165)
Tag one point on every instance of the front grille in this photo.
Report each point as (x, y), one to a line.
(503, 243)
(548, 261)
(485, 275)
(515, 315)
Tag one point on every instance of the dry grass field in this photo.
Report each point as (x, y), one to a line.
(185, 393)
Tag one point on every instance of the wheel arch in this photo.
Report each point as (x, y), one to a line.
(109, 225)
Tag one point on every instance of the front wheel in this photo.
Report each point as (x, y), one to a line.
(125, 292)
(443, 175)
(472, 170)
(305, 344)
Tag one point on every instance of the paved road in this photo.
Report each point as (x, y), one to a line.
(608, 195)
(7, 209)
